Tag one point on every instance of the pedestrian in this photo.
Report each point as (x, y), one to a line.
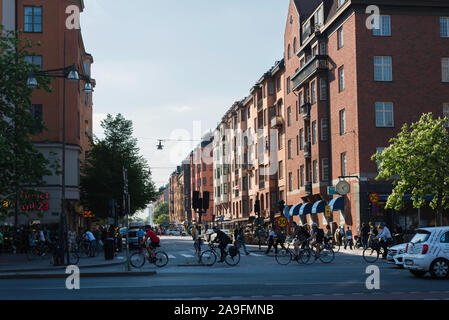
(328, 235)
(364, 233)
(348, 238)
(280, 239)
(271, 240)
(241, 240)
(398, 234)
(71, 237)
(1, 241)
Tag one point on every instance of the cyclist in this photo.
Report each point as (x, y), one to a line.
(317, 237)
(223, 240)
(151, 241)
(385, 238)
(88, 236)
(300, 235)
(140, 234)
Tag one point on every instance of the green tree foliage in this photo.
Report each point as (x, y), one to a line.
(160, 210)
(162, 219)
(417, 161)
(102, 172)
(22, 166)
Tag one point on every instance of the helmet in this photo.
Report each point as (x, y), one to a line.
(314, 225)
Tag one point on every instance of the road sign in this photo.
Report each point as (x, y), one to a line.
(374, 210)
(328, 211)
(331, 191)
(281, 222)
(374, 197)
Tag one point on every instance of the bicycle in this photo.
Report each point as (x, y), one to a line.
(209, 257)
(285, 256)
(374, 250)
(37, 251)
(85, 249)
(138, 259)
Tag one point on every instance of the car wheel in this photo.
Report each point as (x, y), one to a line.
(418, 273)
(439, 268)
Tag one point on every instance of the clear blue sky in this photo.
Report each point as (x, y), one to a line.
(164, 64)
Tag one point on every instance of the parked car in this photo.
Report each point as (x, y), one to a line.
(396, 254)
(172, 232)
(133, 239)
(428, 251)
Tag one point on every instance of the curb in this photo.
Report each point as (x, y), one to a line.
(82, 275)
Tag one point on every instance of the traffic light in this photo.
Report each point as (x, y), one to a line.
(196, 201)
(370, 206)
(205, 200)
(281, 205)
(257, 206)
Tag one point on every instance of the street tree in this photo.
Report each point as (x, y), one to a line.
(102, 171)
(417, 162)
(22, 166)
(160, 210)
(162, 219)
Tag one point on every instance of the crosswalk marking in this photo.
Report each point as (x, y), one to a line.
(256, 255)
(187, 255)
(170, 256)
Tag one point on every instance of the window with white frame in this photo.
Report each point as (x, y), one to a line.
(341, 2)
(344, 169)
(290, 181)
(342, 122)
(36, 60)
(323, 89)
(444, 27)
(301, 139)
(324, 130)
(313, 92)
(446, 112)
(383, 69)
(340, 41)
(384, 114)
(341, 78)
(445, 69)
(384, 29)
(301, 98)
(325, 169)
(302, 175)
(314, 132)
(319, 17)
(315, 171)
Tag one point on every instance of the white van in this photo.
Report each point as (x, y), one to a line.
(428, 251)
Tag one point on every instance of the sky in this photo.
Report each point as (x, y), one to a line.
(175, 67)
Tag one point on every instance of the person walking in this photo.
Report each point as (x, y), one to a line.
(71, 237)
(348, 238)
(280, 239)
(364, 234)
(241, 240)
(271, 240)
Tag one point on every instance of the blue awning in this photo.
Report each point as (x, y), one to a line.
(294, 210)
(337, 204)
(319, 207)
(306, 208)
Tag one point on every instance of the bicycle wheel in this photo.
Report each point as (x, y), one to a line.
(284, 257)
(307, 256)
(336, 247)
(327, 255)
(232, 261)
(370, 255)
(208, 258)
(74, 257)
(137, 259)
(161, 259)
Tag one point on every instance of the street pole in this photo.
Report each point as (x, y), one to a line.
(126, 207)
(199, 229)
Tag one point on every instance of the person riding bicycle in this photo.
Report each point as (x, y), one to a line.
(384, 238)
(317, 238)
(151, 241)
(89, 237)
(223, 240)
(328, 235)
(300, 236)
(140, 234)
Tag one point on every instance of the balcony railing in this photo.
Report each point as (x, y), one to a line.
(308, 187)
(317, 63)
(308, 150)
(277, 122)
(305, 110)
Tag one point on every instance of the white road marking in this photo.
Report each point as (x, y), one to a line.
(187, 255)
(170, 256)
(256, 255)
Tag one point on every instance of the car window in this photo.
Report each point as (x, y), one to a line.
(445, 238)
(421, 236)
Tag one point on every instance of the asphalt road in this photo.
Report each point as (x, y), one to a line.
(257, 277)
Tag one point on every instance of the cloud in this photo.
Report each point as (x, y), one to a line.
(180, 109)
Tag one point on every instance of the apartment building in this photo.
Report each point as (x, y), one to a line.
(44, 22)
(356, 85)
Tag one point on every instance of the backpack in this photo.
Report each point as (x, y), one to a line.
(320, 234)
(233, 251)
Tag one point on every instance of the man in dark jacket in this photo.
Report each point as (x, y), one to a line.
(223, 241)
(364, 233)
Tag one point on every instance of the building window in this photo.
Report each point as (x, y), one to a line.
(271, 87)
(313, 92)
(315, 51)
(325, 169)
(343, 164)
(279, 83)
(319, 17)
(342, 122)
(314, 132)
(301, 139)
(446, 112)
(295, 48)
(297, 145)
(341, 2)
(341, 79)
(37, 115)
(288, 85)
(383, 69)
(384, 114)
(280, 171)
(323, 48)
(289, 116)
(290, 181)
(32, 19)
(301, 98)
(379, 150)
(302, 175)
(384, 27)
(340, 38)
(323, 89)
(315, 171)
(204, 182)
(445, 69)
(289, 149)
(324, 130)
(36, 60)
(444, 27)
(289, 53)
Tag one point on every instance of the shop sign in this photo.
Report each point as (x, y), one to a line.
(374, 210)
(374, 197)
(327, 211)
(34, 201)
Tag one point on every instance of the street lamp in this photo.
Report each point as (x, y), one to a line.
(71, 74)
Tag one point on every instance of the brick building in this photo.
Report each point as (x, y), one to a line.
(44, 22)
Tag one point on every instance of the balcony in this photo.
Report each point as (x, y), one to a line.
(277, 122)
(308, 150)
(305, 110)
(312, 67)
(308, 187)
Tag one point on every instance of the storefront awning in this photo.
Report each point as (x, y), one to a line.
(306, 208)
(319, 207)
(294, 210)
(337, 204)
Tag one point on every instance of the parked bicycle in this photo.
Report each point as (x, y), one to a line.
(209, 257)
(38, 251)
(374, 250)
(138, 259)
(85, 249)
